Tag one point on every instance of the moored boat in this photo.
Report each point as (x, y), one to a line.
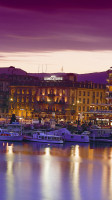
(44, 138)
(101, 135)
(77, 137)
(71, 137)
(10, 136)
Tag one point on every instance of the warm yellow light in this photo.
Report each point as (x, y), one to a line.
(48, 100)
(11, 99)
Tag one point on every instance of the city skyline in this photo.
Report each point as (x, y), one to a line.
(52, 36)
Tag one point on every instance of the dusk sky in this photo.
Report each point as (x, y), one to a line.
(46, 35)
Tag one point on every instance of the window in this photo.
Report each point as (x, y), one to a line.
(18, 99)
(83, 100)
(79, 93)
(88, 108)
(23, 91)
(40, 91)
(79, 108)
(27, 99)
(63, 92)
(33, 92)
(32, 99)
(87, 101)
(88, 94)
(96, 100)
(22, 99)
(97, 94)
(27, 91)
(12, 91)
(93, 94)
(84, 93)
(18, 91)
(79, 100)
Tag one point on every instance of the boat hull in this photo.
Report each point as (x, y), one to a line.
(101, 140)
(11, 138)
(76, 138)
(42, 141)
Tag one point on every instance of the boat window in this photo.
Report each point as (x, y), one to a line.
(82, 137)
(72, 136)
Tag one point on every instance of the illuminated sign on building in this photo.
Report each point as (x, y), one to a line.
(53, 78)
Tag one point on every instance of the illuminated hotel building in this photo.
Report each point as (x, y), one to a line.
(101, 110)
(89, 97)
(58, 95)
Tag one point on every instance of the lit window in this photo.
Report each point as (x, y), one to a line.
(23, 91)
(22, 99)
(18, 91)
(33, 92)
(27, 92)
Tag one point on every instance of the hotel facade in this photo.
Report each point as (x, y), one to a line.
(53, 95)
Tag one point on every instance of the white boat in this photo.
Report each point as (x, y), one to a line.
(76, 137)
(44, 138)
(15, 127)
(101, 135)
(69, 137)
(5, 135)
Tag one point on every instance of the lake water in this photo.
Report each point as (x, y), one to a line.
(33, 171)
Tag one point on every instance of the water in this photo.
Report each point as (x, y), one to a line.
(33, 171)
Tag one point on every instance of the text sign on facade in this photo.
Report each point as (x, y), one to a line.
(53, 78)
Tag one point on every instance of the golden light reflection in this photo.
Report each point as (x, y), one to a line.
(77, 151)
(50, 166)
(74, 170)
(9, 149)
(10, 163)
(47, 151)
(90, 166)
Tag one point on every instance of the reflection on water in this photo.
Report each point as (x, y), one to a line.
(55, 172)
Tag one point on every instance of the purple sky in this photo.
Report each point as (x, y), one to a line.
(40, 26)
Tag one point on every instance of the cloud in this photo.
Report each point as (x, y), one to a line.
(62, 30)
